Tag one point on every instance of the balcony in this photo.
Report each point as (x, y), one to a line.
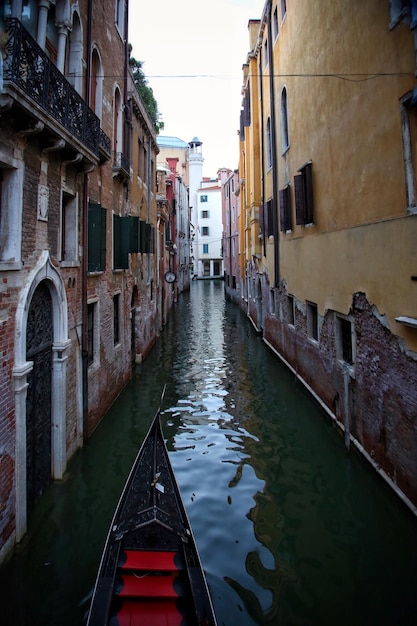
(121, 165)
(35, 83)
(105, 146)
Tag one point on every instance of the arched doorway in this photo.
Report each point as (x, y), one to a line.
(39, 373)
(39, 341)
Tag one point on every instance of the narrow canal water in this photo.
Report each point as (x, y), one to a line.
(291, 530)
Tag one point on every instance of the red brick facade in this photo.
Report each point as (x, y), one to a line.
(52, 171)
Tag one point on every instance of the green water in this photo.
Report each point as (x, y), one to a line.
(291, 530)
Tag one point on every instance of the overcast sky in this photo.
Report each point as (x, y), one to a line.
(193, 52)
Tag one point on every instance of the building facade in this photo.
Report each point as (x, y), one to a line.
(328, 199)
(80, 290)
(231, 238)
(209, 227)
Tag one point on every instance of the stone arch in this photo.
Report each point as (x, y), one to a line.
(97, 79)
(43, 272)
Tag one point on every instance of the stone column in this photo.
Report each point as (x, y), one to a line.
(59, 410)
(62, 44)
(20, 392)
(42, 22)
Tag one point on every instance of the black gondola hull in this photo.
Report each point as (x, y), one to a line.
(150, 571)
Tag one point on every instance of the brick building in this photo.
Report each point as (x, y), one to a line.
(80, 290)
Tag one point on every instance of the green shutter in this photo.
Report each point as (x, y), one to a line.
(134, 234)
(121, 242)
(142, 236)
(96, 237)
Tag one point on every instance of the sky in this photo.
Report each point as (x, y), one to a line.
(192, 53)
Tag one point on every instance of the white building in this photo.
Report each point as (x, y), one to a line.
(209, 231)
(205, 204)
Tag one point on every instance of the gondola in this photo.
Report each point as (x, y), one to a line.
(150, 571)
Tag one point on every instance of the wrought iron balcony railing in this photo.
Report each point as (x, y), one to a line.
(105, 146)
(121, 165)
(28, 67)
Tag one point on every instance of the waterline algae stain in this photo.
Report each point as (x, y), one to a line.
(291, 530)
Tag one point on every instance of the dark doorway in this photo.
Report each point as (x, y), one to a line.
(39, 339)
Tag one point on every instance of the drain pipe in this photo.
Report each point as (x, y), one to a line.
(84, 345)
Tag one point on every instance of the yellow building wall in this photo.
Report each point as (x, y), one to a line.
(344, 72)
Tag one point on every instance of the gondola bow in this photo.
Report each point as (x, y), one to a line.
(150, 571)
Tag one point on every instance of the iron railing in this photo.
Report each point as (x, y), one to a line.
(105, 145)
(28, 67)
(121, 164)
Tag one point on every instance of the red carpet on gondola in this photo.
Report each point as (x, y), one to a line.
(150, 586)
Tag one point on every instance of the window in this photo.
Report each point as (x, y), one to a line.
(120, 16)
(266, 56)
(96, 84)
(117, 126)
(283, 9)
(69, 229)
(408, 109)
(96, 238)
(272, 301)
(11, 202)
(268, 144)
(344, 339)
(151, 173)
(304, 199)
(205, 231)
(275, 23)
(398, 10)
(145, 165)
(133, 234)
(312, 321)
(121, 242)
(204, 214)
(246, 112)
(116, 318)
(147, 236)
(205, 248)
(285, 137)
(74, 57)
(268, 226)
(289, 313)
(140, 158)
(203, 198)
(285, 216)
(51, 41)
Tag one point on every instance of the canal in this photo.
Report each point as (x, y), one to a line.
(291, 529)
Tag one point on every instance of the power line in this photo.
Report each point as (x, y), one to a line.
(351, 77)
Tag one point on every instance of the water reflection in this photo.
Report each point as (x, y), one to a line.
(290, 530)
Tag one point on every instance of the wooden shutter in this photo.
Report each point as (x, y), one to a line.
(96, 237)
(262, 220)
(300, 203)
(308, 179)
(270, 218)
(133, 234)
(142, 236)
(285, 208)
(121, 242)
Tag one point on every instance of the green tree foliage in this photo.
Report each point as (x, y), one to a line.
(146, 93)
